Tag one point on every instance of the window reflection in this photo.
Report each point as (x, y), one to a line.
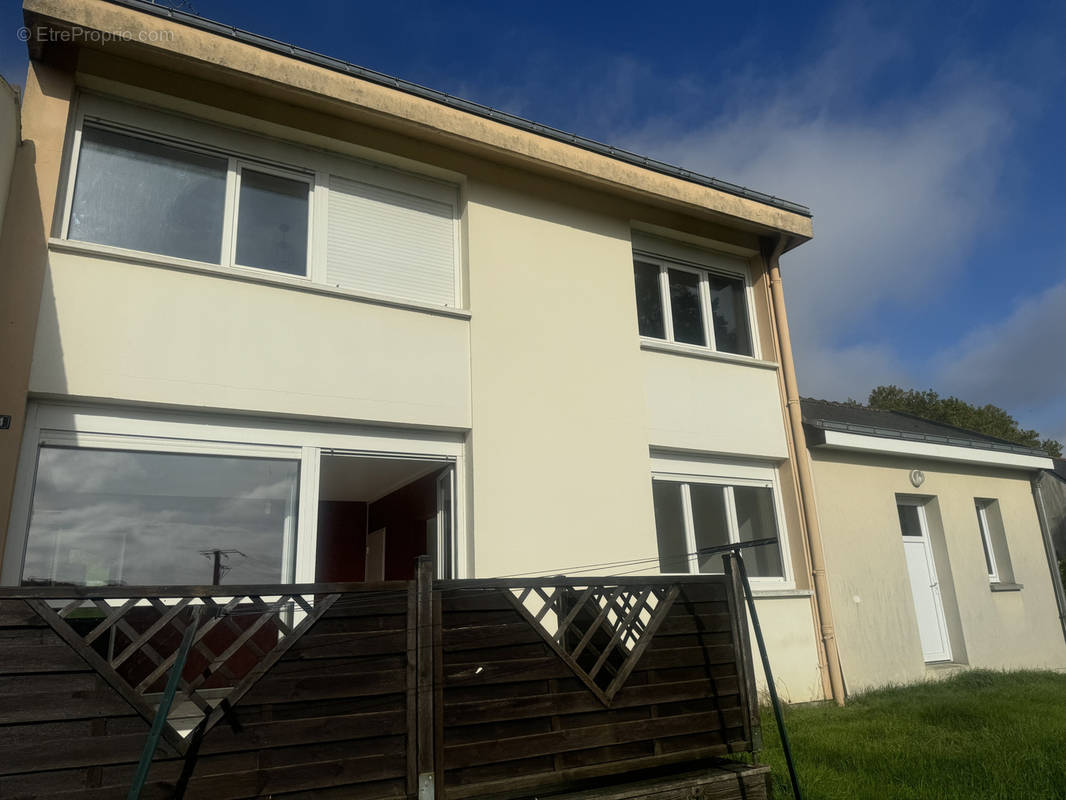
(111, 517)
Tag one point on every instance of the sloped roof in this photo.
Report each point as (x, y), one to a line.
(848, 418)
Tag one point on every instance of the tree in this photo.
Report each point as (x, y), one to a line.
(989, 419)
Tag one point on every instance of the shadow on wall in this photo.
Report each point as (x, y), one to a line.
(27, 310)
(1053, 492)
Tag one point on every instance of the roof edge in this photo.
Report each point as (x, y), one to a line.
(927, 438)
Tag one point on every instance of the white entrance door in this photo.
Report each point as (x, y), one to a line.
(932, 627)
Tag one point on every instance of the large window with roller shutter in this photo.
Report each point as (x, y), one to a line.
(174, 189)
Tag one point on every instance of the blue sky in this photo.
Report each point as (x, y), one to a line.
(927, 139)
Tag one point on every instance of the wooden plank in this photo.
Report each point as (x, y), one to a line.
(39, 707)
(346, 665)
(323, 684)
(360, 624)
(30, 657)
(580, 739)
(374, 790)
(523, 669)
(320, 774)
(84, 752)
(411, 695)
(470, 599)
(15, 613)
(425, 731)
(339, 645)
(697, 582)
(176, 591)
(288, 733)
(686, 657)
(523, 785)
(82, 681)
(480, 636)
(536, 648)
(721, 780)
(438, 700)
(496, 710)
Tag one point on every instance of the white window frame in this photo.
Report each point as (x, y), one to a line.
(69, 424)
(263, 154)
(986, 536)
(686, 471)
(722, 267)
(234, 179)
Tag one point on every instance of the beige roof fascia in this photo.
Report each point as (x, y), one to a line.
(189, 50)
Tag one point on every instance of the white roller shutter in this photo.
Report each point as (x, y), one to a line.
(398, 242)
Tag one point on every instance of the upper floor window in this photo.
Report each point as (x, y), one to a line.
(193, 191)
(148, 195)
(689, 305)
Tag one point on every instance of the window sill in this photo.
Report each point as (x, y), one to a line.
(246, 274)
(1005, 587)
(771, 594)
(659, 346)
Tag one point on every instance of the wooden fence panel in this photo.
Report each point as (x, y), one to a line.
(467, 688)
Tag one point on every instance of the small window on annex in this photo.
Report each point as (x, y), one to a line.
(993, 541)
(123, 517)
(690, 305)
(694, 516)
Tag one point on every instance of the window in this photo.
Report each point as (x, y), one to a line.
(986, 541)
(689, 305)
(694, 514)
(121, 517)
(104, 497)
(143, 195)
(216, 196)
(272, 222)
(994, 542)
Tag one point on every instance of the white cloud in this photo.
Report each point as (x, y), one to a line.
(1016, 362)
(897, 192)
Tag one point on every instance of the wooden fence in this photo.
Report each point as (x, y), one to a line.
(452, 690)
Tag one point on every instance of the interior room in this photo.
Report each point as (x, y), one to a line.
(376, 515)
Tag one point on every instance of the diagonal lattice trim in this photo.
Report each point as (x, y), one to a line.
(134, 644)
(599, 631)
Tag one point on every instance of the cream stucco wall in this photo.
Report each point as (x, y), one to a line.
(136, 333)
(559, 451)
(713, 406)
(791, 645)
(872, 602)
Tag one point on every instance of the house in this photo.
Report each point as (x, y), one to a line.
(935, 552)
(274, 319)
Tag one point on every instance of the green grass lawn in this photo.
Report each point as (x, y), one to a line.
(978, 734)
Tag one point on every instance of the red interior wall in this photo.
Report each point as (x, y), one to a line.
(341, 541)
(403, 514)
